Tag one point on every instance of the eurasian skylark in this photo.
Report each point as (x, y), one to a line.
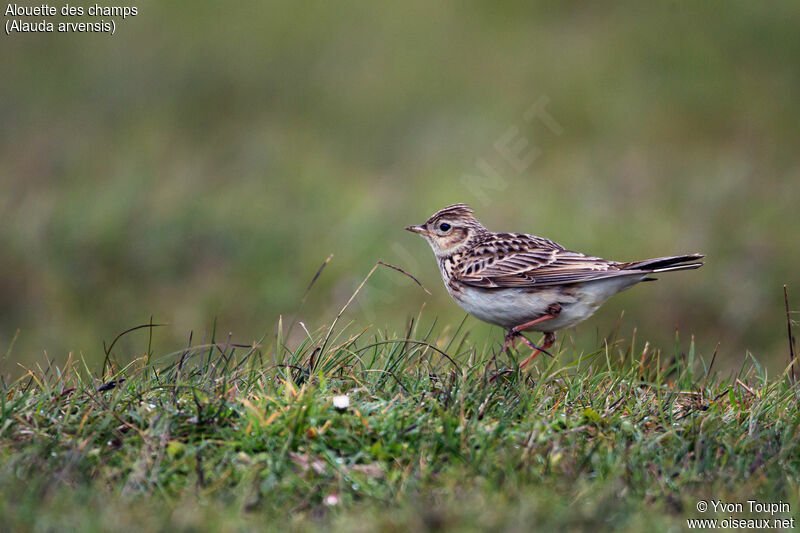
(523, 282)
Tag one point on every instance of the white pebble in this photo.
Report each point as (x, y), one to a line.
(341, 402)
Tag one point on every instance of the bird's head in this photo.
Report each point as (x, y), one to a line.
(449, 229)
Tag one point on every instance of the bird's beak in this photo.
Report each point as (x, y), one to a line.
(418, 229)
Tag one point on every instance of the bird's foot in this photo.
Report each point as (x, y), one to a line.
(547, 341)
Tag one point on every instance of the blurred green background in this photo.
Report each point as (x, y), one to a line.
(205, 160)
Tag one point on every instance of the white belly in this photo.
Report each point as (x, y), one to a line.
(512, 307)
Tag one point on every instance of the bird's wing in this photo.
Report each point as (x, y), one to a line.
(518, 260)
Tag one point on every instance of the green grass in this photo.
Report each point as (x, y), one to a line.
(437, 437)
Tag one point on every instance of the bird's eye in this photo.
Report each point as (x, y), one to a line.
(444, 226)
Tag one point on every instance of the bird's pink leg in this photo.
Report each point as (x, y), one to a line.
(552, 312)
(547, 341)
(513, 333)
(511, 339)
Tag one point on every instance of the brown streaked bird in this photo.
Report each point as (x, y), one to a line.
(528, 283)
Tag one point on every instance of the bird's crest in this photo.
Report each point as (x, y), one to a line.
(460, 211)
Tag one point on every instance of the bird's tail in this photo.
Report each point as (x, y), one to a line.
(666, 264)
